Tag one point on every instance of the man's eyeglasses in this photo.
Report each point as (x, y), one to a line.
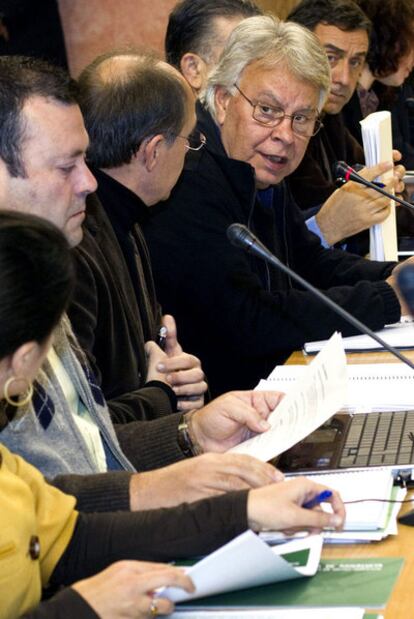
(304, 124)
(195, 140)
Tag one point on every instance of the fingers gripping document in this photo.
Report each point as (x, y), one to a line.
(320, 392)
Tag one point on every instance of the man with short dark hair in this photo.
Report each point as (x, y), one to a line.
(197, 32)
(66, 428)
(343, 30)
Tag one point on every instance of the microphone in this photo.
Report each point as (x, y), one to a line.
(241, 236)
(343, 171)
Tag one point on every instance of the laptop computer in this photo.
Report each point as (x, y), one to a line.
(352, 441)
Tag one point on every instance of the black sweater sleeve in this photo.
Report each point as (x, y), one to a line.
(103, 492)
(67, 603)
(156, 535)
(151, 444)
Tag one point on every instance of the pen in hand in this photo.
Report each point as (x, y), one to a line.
(319, 498)
(162, 337)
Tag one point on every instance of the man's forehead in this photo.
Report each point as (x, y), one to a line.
(356, 41)
(59, 125)
(276, 83)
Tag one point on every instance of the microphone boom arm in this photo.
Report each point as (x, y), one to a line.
(241, 236)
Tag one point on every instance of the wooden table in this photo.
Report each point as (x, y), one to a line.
(401, 604)
(299, 358)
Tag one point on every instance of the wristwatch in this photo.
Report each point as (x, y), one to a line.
(186, 440)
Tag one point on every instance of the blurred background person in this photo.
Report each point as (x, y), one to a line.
(389, 62)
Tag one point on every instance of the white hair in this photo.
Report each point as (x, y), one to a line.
(274, 43)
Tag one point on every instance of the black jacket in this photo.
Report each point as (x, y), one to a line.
(313, 182)
(239, 316)
(112, 324)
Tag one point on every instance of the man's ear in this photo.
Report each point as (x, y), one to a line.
(150, 150)
(222, 99)
(194, 69)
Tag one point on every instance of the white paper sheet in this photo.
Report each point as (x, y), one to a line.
(291, 613)
(399, 335)
(371, 386)
(245, 562)
(319, 394)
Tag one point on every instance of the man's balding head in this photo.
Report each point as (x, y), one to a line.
(126, 98)
(139, 113)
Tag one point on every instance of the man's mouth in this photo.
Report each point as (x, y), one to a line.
(78, 213)
(276, 159)
(339, 95)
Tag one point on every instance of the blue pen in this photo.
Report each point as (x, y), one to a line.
(319, 498)
(378, 184)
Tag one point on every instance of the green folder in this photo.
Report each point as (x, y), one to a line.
(365, 583)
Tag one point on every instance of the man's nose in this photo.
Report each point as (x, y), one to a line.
(87, 183)
(341, 73)
(284, 130)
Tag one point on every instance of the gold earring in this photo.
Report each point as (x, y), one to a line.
(26, 397)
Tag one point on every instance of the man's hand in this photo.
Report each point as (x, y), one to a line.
(232, 418)
(391, 280)
(354, 208)
(399, 172)
(181, 370)
(155, 356)
(279, 507)
(197, 478)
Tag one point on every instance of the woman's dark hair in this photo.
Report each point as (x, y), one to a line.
(392, 33)
(36, 279)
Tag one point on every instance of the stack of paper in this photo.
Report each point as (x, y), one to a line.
(371, 387)
(377, 140)
(248, 574)
(399, 335)
(356, 583)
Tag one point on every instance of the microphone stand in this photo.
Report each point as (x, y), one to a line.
(344, 172)
(240, 236)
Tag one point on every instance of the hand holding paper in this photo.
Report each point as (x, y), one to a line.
(319, 394)
(232, 418)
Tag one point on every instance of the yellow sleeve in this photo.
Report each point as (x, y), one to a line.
(54, 513)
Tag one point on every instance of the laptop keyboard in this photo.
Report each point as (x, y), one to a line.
(379, 439)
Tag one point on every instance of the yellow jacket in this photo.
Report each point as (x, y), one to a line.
(36, 525)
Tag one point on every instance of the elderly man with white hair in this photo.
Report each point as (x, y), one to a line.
(260, 108)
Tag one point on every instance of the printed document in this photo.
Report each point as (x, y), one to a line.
(318, 395)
